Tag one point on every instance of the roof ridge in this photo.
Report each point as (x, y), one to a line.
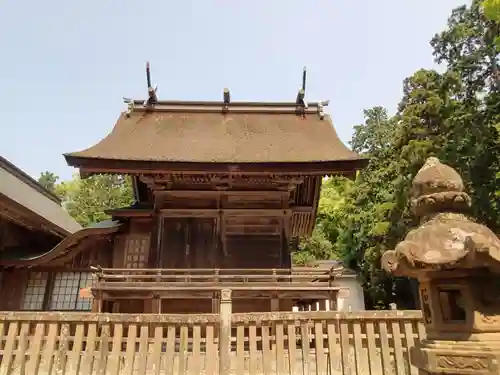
(227, 107)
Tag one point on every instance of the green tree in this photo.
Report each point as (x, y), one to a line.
(492, 9)
(467, 48)
(453, 115)
(48, 180)
(492, 12)
(364, 225)
(321, 245)
(87, 199)
(372, 136)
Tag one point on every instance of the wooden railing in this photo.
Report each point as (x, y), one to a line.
(367, 343)
(304, 278)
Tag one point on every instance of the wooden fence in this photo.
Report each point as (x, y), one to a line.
(367, 343)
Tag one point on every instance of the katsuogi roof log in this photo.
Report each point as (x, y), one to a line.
(187, 135)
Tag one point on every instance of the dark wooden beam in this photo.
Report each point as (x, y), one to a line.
(218, 193)
(225, 212)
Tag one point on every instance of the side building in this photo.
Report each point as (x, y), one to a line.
(32, 222)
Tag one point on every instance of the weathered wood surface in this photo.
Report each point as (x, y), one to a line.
(202, 283)
(368, 343)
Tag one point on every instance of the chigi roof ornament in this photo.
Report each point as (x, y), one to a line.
(152, 98)
(299, 108)
(300, 101)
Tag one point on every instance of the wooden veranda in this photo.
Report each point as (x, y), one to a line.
(290, 285)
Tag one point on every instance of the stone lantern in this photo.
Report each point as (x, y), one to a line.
(457, 264)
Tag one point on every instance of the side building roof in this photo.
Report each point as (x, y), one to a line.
(184, 135)
(23, 195)
(65, 250)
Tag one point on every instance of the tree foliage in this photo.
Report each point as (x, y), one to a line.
(87, 199)
(48, 180)
(454, 115)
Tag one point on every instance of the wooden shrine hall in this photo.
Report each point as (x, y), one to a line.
(220, 191)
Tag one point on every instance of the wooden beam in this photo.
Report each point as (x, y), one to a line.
(130, 212)
(91, 166)
(185, 212)
(215, 194)
(189, 212)
(206, 294)
(302, 209)
(138, 286)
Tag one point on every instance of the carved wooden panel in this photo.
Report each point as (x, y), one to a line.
(136, 251)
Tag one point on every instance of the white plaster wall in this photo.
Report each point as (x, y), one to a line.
(350, 296)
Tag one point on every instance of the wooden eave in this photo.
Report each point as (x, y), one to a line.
(24, 177)
(90, 166)
(17, 214)
(31, 206)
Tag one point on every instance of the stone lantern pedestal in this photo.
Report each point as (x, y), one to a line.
(457, 264)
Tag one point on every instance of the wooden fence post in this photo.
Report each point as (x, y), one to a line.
(225, 312)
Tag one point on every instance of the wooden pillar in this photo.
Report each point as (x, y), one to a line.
(275, 304)
(156, 305)
(97, 303)
(322, 305)
(116, 307)
(215, 303)
(225, 332)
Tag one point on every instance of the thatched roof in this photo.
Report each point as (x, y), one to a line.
(256, 133)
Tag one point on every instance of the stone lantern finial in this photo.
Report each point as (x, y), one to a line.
(438, 188)
(457, 264)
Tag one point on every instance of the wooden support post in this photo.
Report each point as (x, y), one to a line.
(333, 301)
(156, 305)
(215, 303)
(225, 332)
(275, 304)
(97, 303)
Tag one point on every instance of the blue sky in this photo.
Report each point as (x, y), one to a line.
(65, 65)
